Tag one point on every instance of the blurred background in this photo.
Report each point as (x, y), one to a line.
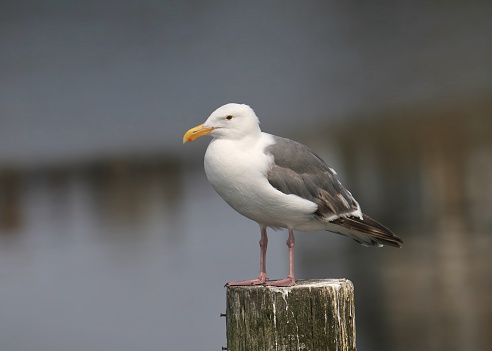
(111, 237)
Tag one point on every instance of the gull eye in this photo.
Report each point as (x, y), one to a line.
(229, 117)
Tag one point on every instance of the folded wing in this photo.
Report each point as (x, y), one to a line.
(297, 170)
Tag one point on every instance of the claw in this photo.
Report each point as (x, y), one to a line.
(289, 281)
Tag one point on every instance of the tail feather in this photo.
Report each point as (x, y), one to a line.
(366, 231)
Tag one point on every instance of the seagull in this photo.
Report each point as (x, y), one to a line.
(279, 183)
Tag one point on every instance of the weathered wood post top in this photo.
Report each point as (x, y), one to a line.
(311, 315)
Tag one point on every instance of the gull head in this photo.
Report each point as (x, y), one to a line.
(231, 121)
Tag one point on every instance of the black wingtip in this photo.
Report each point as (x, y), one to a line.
(374, 232)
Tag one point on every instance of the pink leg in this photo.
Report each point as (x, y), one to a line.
(263, 276)
(290, 280)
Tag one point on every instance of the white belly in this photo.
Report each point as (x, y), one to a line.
(238, 174)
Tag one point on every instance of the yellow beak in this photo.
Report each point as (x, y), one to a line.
(196, 132)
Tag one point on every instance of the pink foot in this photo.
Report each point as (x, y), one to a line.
(289, 281)
(260, 280)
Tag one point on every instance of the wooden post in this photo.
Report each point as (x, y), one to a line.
(312, 315)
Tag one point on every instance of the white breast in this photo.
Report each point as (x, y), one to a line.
(237, 169)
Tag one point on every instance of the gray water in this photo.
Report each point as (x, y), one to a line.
(143, 267)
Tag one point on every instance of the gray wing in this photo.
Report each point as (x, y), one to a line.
(297, 170)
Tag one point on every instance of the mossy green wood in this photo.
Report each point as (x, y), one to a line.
(312, 315)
